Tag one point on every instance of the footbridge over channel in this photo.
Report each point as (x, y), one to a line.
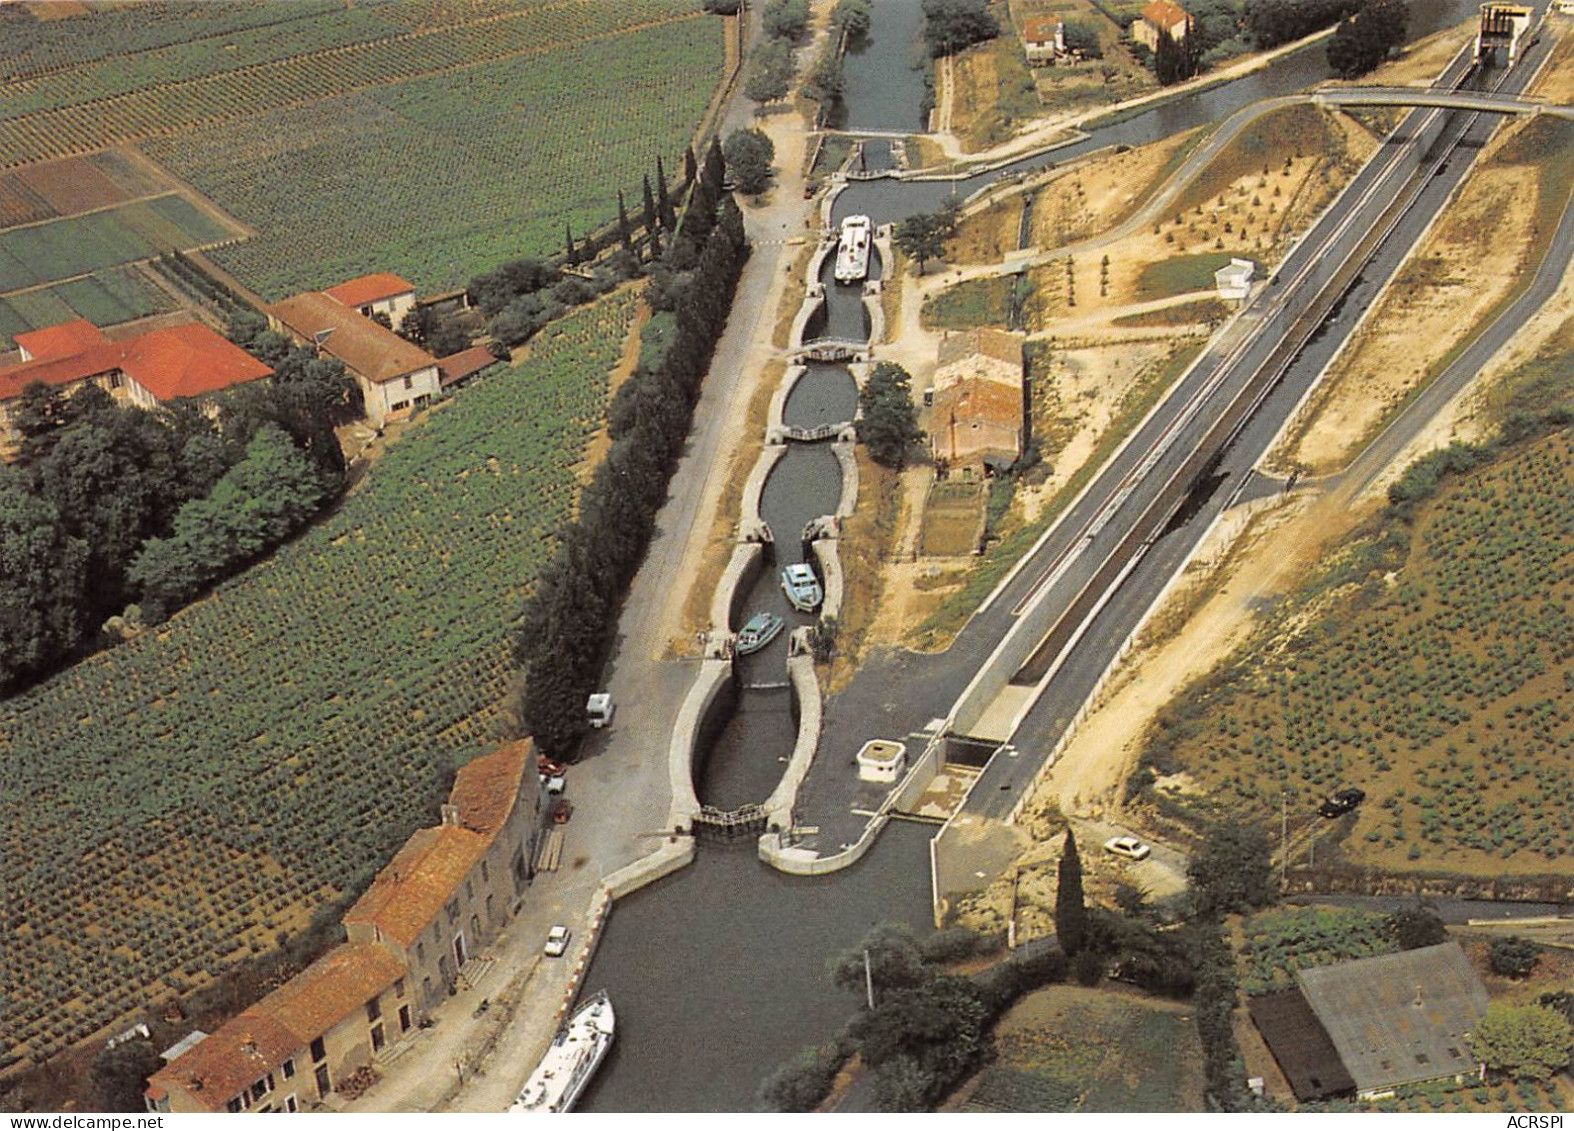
(1483, 101)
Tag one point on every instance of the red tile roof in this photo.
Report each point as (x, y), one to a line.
(465, 363)
(975, 416)
(258, 1040)
(1040, 30)
(178, 361)
(423, 876)
(1164, 15)
(54, 342)
(372, 352)
(370, 288)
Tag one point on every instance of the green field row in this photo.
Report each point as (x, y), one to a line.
(440, 178)
(118, 294)
(79, 245)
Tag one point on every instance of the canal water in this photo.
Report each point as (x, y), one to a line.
(719, 972)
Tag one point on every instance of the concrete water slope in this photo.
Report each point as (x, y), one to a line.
(1108, 631)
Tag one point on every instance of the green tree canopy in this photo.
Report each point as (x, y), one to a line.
(1417, 926)
(1231, 870)
(43, 573)
(952, 25)
(1364, 39)
(923, 236)
(888, 422)
(749, 154)
(785, 19)
(1524, 1041)
(1513, 957)
(853, 16)
(770, 74)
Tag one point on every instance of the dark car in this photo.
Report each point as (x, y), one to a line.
(1340, 803)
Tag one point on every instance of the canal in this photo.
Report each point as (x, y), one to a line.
(719, 972)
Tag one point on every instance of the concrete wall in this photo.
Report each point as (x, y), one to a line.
(813, 299)
(774, 417)
(847, 457)
(748, 558)
(749, 510)
(806, 692)
(715, 678)
(825, 551)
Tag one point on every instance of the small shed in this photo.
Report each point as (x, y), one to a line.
(1234, 279)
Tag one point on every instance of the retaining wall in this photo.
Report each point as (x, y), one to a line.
(748, 558)
(715, 677)
(752, 490)
(806, 690)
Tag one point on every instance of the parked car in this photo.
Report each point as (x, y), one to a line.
(1127, 847)
(557, 942)
(1340, 803)
(555, 783)
(562, 811)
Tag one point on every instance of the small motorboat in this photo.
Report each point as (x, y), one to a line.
(802, 587)
(760, 630)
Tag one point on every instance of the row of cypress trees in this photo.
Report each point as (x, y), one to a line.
(564, 636)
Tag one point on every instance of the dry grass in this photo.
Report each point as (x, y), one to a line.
(869, 536)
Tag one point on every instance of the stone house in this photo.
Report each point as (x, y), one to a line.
(978, 419)
(452, 886)
(395, 376)
(145, 370)
(1157, 18)
(382, 293)
(442, 898)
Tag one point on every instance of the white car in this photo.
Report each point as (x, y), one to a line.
(557, 942)
(1127, 847)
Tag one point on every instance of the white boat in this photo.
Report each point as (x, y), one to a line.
(802, 587)
(852, 252)
(576, 1053)
(760, 630)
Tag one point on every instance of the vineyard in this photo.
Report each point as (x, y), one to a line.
(174, 804)
(1443, 687)
(441, 178)
(433, 138)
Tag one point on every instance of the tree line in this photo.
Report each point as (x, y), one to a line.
(567, 626)
(115, 511)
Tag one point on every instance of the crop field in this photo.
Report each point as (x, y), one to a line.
(433, 138)
(171, 805)
(118, 294)
(1067, 1048)
(1282, 941)
(1442, 686)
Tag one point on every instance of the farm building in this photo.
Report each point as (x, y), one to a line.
(1160, 17)
(1390, 1020)
(395, 376)
(146, 370)
(1043, 40)
(452, 886)
(979, 417)
(383, 293)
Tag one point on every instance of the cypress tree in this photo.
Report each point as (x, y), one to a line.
(715, 168)
(691, 167)
(572, 255)
(655, 244)
(669, 218)
(623, 224)
(648, 213)
(1071, 913)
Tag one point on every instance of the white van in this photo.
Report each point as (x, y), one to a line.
(599, 709)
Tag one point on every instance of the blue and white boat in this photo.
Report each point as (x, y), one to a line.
(802, 587)
(760, 630)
